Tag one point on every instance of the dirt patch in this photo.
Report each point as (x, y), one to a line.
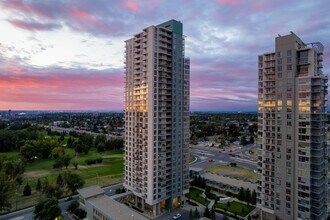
(38, 173)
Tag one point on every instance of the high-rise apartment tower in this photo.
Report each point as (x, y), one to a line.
(157, 117)
(292, 163)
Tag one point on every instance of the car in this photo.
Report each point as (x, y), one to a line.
(210, 160)
(177, 216)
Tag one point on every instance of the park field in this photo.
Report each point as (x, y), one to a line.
(109, 172)
(232, 171)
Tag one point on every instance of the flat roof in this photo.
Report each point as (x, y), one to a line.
(230, 181)
(113, 209)
(90, 191)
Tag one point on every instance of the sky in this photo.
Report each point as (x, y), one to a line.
(69, 55)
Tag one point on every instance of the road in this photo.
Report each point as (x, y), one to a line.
(238, 155)
(27, 214)
(68, 130)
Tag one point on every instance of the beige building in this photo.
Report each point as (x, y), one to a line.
(292, 165)
(157, 117)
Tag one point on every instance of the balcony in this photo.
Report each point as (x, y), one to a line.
(303, 61)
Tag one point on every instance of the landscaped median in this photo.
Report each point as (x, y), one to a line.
(233, 208)
(197, 195)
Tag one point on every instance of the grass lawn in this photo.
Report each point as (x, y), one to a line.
(191, 158)
(109, 172)
(236, 208)
(196, 194)
(236, 172)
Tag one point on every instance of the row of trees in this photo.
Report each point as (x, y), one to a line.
(47, 207)
(247, 196)
(199, 181)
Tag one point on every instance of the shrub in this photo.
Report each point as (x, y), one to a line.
(81, 214)
(90, 161)
(99, 160)
(73, 206)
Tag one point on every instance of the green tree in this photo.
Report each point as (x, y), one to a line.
(13, 168)
(75, 164)
(52, 190)
(73, 181)
(241, 194)
(100, 141)
(27, 190)
(6, 191)
(254, 198)
(58, 152)
(39, 187)
(248, 196)
(87, 139)
(73, 206)
(243, 140)
(59, 180)
(80, 213)
(47, 209)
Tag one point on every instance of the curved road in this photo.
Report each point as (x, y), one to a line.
(208, 156)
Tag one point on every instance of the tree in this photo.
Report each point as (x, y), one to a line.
(58, 152)
(13, 168)
(254, 198)
(100, 141)
(207, 213)
(251, 140)
(73, 181)
(27, 190)
(6, 191)
(38, 187)
(191, 216)
(47, 209)
(228, 204)
(248, 196)
(241, 194)
(80, 147)
(59, 180)
(243, 140)
(52, 190)
(73, 206)
(225, 217)
(75, 164)
(212, 215)
(196, 214)
(80, 213)
(87, 139)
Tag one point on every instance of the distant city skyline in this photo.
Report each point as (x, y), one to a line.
(68, 55)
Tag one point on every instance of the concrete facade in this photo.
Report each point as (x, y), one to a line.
(157, 117)
(292, 162)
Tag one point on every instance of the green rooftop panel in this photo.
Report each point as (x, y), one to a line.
(173, 25)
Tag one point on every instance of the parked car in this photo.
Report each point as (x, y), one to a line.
(177, 216)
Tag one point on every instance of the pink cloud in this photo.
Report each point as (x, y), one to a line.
(61, 90)
(133, 6)
(78, 13)
(33, 26)
(230, 2)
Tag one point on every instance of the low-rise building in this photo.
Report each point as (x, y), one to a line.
(99, 206)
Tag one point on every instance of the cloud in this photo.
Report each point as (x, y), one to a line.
(223, 40)
(33, 26)
(60, 89)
